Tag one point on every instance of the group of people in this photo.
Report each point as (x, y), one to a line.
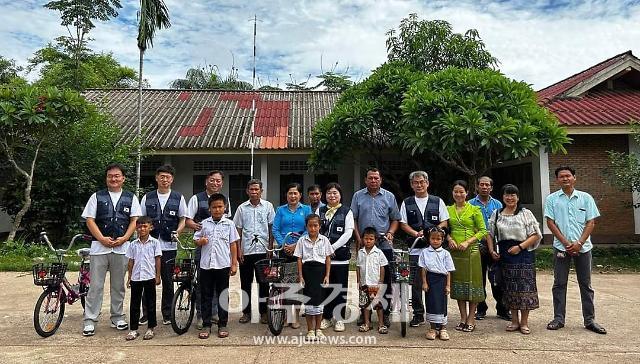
(455, 247)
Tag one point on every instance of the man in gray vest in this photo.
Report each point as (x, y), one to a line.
(111, 216)
(198, 210)
(418, 214)
(167, 209)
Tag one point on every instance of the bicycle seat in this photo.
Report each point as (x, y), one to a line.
(83, 253)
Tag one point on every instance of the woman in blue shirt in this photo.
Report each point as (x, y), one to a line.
(291, 218)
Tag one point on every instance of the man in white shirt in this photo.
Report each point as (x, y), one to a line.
(111, 216)
(168, 210)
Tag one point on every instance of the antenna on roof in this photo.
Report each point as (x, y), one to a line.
(253, 98)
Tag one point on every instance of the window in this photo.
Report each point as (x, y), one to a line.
(238, 190)
(285, 179)
(520, 175)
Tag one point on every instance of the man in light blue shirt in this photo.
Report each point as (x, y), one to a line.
(571, 218)
(488, 205)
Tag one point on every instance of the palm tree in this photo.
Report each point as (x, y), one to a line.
(153, 15)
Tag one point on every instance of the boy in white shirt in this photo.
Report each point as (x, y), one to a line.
(370, 275)
(219, 259)
(144, 255)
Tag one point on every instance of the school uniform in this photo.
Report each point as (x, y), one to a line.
(437, 263)
(313, 254)
(143, 279)
(215, 263)
(369, 264)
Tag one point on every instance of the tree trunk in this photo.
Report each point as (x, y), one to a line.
(139, 123)
(27, 192)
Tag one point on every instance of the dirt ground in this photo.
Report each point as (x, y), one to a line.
(617, 308)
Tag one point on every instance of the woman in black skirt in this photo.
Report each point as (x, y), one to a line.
(517, 233)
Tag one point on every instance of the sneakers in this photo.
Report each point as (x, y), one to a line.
(339, 326)
(245, 318)
(444, 335)
(320, 335)
(166, 322)
(89, 330)
(132, 335)
(120, 325)
(311, 335)
(416, 321)
(199, 323)
(481, 315)
(148, 335)
(431, 334)
(325, 324)
(143, 320)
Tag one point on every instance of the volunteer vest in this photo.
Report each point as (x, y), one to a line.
(334, 228)
(113, 222)
(203, 207)
(416, 220)
(164, 221)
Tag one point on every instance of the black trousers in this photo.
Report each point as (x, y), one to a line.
(143, 291)
(496, 290)
(388, 253)
(213, 282)
(417, 294)
(167, 263)
(247, 273)
(339, 275)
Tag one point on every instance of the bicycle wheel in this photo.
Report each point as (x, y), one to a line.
(275, 311)
(182, 309)
(404, 308)
(49, 312)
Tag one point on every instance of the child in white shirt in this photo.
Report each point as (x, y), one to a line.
(370, 276)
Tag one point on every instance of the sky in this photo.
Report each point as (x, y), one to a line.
(539, 42)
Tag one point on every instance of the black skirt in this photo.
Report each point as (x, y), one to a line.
(313, 274)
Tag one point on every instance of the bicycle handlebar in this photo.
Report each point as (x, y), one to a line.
(45, 238)
(176, 239)
(275, 249)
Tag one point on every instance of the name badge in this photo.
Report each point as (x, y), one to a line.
(126, 209)
(339, 229)
(434, 218)
(172, 213)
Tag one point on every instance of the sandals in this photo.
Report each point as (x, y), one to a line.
(364, 328)
(444, 335)
(596, 328)
(525, 330)
(469, 328)
(511, 327)
(431, 334)
(223, 332)
(383, 330)
(204, 334)
(555, 325)
(460, 326)
(132, 335)
(148, 335)
(295, 325)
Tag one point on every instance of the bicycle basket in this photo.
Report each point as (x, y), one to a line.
(184, 270)
(403, 272)
(270, 270)
(48, 274)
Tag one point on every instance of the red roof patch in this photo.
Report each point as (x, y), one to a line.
(197, 129)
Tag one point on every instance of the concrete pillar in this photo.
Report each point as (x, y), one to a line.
(634, 149)
(264, 175)
(545, 187)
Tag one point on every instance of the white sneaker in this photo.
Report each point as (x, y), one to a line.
(89, 330)
(339, 326)
(320, 335)
(120, 325)
(311, 335)
(199, 323)
(325, 324)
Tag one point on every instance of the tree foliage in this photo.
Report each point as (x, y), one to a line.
(431, 45)
(78, 17)
(209, 78)
(9, 72)
(624, 169)
(53, 142)
(471, 119)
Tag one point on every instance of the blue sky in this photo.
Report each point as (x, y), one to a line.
(540, 42)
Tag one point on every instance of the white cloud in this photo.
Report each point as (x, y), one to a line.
(539, 42)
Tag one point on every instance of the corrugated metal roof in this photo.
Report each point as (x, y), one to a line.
(597, 106)
(210, 119)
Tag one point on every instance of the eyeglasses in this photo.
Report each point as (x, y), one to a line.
(114, 176)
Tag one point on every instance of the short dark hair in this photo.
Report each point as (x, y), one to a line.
(295, 185)
(565, 168)
(335, 185)
(167, 168)
(370, 230)
(114, 165)
(314, 187)
(436, 230)
(460, 183)
(215, 171)
(372, 169)
(485, 177)
(217, 197)
(144, 220)
(311, 217)
(254, 181)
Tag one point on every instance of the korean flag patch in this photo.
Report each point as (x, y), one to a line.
(172, 213)
(126, 209)
(339, 229)
(434, 218)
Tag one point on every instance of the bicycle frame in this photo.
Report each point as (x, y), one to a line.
(72, 293)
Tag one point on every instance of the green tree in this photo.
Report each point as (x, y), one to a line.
(332, 81)
(153, 15)
(78, 17)
(9, 72)
(624, 169)
(32, 119)
(431, 45)
(472, 119)
(208, 78)
(58, 68)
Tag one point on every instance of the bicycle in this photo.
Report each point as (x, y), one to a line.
(57, 291)
(183, 304)
(403, 273)
(276, 272)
